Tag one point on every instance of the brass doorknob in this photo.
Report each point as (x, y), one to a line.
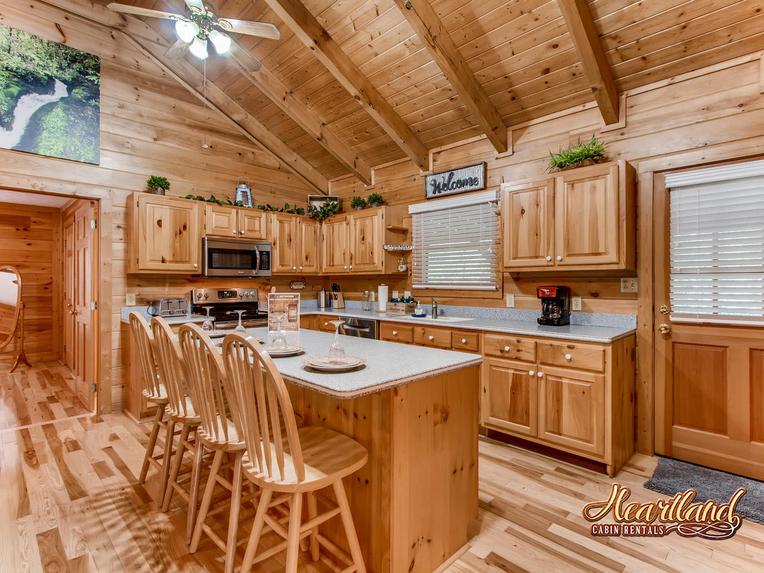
(663, 309)
(664, 329)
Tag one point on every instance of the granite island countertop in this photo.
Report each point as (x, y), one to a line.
(579, 332)
(388, 364)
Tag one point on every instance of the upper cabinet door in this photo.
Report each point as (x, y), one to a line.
(587, 216)
(220, 221)
(165, 234)
(252, 224)
(284, 236)
(334, 245)
(310, 235)
(527, 214)
(367, 230)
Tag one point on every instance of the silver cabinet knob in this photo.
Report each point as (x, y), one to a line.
(294, 268)
(540, 374)
(559, 257)
(464, 341)
(345, 267)
(506, 349)
(431, 337)
(549, 258)
(531, 372)
(195, 265)
(351, 267)
(395, 333)
(568, 357)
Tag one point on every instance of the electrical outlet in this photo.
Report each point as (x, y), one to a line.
(575, 303)
(629, 285)
(130, 299)
(509, 300)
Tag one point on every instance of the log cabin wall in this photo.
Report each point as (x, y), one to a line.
(150, 125)
(703, 116)
(30, 240)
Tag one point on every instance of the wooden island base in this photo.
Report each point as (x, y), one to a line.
(416, 499)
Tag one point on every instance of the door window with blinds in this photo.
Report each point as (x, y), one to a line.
(717, 244)
(455, 243)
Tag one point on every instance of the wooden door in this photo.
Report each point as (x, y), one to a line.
(85, 313)
(221, 221)
(168, 234)
(69, 282)
(334, 245)
(528, 228)
(366, 237)
(252, 224)
(510, 396)
(285, 238)
(310, 235)
(587, 216)
(572, 409)
(709, 378)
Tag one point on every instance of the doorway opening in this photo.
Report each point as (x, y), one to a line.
(53, 242)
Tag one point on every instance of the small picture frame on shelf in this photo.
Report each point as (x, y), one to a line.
(318, 200)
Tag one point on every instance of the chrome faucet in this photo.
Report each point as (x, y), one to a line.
(434, 308)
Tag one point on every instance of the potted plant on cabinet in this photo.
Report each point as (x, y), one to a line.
(157, 185)
(319, 213)
(587, 153)
(358, 203)
(375, 200)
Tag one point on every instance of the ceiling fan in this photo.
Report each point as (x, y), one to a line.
(200, 25)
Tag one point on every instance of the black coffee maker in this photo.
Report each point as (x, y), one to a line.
(555, 305)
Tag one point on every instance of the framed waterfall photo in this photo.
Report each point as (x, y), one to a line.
(49, 98)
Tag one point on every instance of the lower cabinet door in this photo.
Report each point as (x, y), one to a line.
(510, 396)
(572, 409)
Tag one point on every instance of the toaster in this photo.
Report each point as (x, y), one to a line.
(168, 307)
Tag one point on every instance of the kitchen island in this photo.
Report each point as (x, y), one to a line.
(416, 412)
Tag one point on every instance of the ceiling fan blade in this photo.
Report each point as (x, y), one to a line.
(136, 11)
(194, 3)
(261, 29)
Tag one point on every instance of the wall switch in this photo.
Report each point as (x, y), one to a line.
(130, 299)
(575, 303)
(509, 300)
(629, 285)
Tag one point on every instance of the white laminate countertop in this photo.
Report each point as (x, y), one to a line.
(580, 332)
(388, 364)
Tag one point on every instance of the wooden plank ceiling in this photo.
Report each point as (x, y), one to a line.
(520, 53)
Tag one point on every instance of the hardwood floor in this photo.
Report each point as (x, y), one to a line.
(69, 502)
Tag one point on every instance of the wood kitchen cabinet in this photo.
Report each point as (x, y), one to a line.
(295, 241)
(227, 222)
(580, 219)
(367, 232)
(164, 234)
(513, 395)
(335, 253)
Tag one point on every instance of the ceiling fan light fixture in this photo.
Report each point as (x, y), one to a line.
(186, 30)
(221, 42)
(199, 48)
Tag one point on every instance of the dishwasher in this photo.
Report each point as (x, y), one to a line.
(360, 327)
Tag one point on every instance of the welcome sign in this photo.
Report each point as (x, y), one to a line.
(470, 178)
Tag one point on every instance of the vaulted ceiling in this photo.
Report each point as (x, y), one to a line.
(394, 78)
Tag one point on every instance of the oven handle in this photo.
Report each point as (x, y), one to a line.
(355, 328)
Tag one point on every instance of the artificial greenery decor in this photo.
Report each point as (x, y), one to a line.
(375, 200)
(158, 185)
(592, 151)
(358, 203)
(287, 208)
(327, 209)
(215, 200)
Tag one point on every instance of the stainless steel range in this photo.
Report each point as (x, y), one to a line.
(224, 304)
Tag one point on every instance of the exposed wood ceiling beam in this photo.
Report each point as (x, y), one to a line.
(310, 32)
(586, 39)
(425, 22)
(299, 112)
(152, 45)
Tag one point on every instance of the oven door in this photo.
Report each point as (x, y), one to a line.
(230, 258)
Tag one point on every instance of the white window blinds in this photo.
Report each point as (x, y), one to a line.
(455, 243)
(717, 244)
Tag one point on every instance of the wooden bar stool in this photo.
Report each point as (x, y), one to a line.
(286, 461)
(156, 394)
(216, 433)
(180, 408)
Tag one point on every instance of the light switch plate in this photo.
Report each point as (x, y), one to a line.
(509, 300)
(130, 299)
(629, 284)
(575, 303)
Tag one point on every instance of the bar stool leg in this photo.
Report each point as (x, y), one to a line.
(151, 445)
(293, 540)
(312, 513)
(196, 477)
(257, 529)
(233, 518)
(209, 489)
(168, 444)
(176, 463)
(347, 522)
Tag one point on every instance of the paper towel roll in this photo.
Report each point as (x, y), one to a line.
(382, 298)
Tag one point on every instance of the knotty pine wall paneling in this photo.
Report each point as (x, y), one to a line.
(150, 125)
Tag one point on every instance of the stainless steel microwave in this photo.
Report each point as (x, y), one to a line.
(225, 258)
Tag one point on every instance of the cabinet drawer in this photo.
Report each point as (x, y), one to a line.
(510, 347)
(436, 337)
(572, 355)
(396, 332)
(324, 322)
(467, 341)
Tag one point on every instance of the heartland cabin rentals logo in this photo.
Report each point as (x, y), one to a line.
(679, 514)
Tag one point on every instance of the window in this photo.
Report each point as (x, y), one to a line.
(717, 244)
(455, 243)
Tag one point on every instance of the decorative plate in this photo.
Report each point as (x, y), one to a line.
(326, 364)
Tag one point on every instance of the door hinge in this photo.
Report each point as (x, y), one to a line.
(93, 224)
(93, 305)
